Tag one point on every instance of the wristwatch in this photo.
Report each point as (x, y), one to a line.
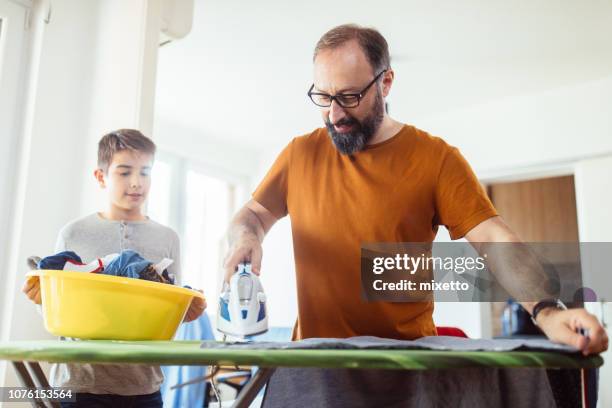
(544, 304)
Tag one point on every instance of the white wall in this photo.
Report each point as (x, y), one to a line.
(51, 162)
(278, 266)
(221, 158)
(122, 90)
(593, 180)
(14, 54)
(52, 177)
(563, 124)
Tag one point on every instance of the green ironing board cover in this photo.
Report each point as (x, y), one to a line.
(190, 353)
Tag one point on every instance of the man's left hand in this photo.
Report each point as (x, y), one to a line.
(196, 308)
(563, 326)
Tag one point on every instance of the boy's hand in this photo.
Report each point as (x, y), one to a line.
(31, 288)
(196, 308)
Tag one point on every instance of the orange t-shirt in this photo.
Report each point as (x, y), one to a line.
(398, 190)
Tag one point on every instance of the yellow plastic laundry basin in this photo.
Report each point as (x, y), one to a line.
(96, 306)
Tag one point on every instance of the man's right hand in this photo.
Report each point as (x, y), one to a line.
(245, 248)
(246, 234)
(31, 288)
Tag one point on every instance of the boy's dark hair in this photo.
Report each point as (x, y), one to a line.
(119, 140)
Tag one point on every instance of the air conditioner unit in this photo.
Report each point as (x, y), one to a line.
(176, 20)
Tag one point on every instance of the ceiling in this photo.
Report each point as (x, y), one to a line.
(240, 77)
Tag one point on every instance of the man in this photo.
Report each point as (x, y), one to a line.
(366, 177)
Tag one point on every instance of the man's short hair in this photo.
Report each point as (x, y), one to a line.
(370, 40)
(119, 140)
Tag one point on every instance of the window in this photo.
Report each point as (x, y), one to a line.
(198, 204)
(209, 204)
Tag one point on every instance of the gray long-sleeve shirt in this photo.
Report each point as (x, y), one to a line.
(94, 237)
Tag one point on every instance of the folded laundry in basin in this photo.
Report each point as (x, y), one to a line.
(58, 261)
(127, 264)
(95, 266)
(130, 264)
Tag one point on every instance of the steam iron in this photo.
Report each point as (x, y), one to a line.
(242, 305)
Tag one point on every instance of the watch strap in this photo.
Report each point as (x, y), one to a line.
(544, 304)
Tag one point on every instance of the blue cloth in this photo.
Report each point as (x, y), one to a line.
(129, 264)
(84, 400)
(57, 261)
(190, 395)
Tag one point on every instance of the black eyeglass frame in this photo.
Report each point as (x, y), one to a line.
(333, 98)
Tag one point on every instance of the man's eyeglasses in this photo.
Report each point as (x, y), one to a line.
(346, 100)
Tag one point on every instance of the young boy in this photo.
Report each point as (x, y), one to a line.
(125, 158)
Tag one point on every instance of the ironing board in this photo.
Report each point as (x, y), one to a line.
(25, 356)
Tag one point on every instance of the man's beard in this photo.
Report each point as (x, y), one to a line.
(362, 131)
